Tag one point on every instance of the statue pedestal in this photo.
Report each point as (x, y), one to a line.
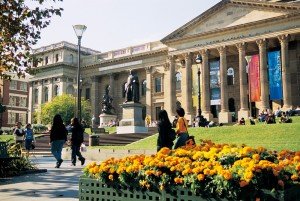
(132, 120)
(105, 119)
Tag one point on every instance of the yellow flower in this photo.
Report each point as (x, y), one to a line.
(178, 180)
(294, 177)
(243, 183)
(111, 177)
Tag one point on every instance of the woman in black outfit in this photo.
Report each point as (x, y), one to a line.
(76, 141)
(58, 137)
(164, 127)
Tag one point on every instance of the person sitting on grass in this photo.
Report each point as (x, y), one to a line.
(242, 121)
(285, 119)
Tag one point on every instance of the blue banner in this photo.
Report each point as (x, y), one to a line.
(215, 95)
(275, 78)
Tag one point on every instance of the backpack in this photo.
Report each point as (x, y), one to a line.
(18, 133)
(172, 134)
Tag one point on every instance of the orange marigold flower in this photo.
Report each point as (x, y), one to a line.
(294, 177)
(111, 177)
(200, 177)
(178, 180)
(243, 183)
(256, 157)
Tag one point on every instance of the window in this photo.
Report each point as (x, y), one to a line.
(13, 85)
(22, 118)
(56, 90)
(123, 90)
(46, 60)
(70, 89)
(157, 110)
(56, 58)
(144, 87)
(36, 96)
(87, 94)
(158, 84)
(178, 77)
(46, 94)
(23, 102)
(230, 76)
(12, 117)
(12, 100)
(231, 105)
(71, 58)
(23, 86)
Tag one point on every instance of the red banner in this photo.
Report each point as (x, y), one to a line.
(254, 79)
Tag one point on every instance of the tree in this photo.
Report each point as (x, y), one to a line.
(65, 106)
(20, 27)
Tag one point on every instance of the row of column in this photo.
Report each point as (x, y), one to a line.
(224, 115)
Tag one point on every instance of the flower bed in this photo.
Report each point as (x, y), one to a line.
(209, 170)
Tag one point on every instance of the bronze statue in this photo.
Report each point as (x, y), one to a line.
(107, 102)
(132, 90)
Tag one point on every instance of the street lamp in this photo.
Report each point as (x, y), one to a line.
(199, 61)
(79, 29)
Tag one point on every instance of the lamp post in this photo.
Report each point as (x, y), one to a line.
(199, 61)
(79, 29)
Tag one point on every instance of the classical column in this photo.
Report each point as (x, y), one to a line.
(224, 115)
(169, 87)
(244, 111)
(112, 87)
(95, 99)
(50, 89)
(286, 74)
(205, 86)
(264, 82)
(186, 84)
(30, 103)
(149, 91)
(40, 100)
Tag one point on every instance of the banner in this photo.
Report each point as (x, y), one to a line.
(254, 78)
(275, 79)
(215, 93)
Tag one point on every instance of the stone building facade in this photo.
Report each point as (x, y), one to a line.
(225, 36)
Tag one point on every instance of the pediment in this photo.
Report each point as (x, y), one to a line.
(228, 14)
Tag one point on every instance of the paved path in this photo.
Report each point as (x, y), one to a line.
(55, 184)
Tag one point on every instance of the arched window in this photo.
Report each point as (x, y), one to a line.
(56, 90)
(46, 60)
(70, 89)
(231, 105)
(46, 94)
(123, 90)
(56, 58)
(230, 76)
(36, 96)
(144, 87)
(158, 84)
(71, 58)
(178, 77)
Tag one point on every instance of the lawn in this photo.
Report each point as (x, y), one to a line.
(271, 136)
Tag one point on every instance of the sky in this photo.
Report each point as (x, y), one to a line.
(115, 24)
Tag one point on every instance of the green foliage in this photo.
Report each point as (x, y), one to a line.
(38, 128)
(2, 108)
(65, 106)
(20, 29)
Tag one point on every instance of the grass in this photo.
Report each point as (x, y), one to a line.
(109, 129)
(271, 136)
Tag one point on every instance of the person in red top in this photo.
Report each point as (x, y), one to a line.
(181, 129)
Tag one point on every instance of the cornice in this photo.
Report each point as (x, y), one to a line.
(49, 66)
(235, 41)
(126, 59)
(228, 29)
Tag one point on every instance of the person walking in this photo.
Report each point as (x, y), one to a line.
(164, 127)
(58, 137)
(76, 141)
(181, 129)
(18, 133)
(29, 139)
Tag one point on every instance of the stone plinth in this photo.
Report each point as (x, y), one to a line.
(225, 117)
(106, 118)
(132, 120)
(243, 114)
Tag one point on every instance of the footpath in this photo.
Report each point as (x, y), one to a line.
(55, 184)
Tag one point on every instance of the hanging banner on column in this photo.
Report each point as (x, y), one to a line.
(254, 78)
(275, 79)
(215, 93)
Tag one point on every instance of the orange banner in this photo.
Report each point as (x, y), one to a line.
(254, 78)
